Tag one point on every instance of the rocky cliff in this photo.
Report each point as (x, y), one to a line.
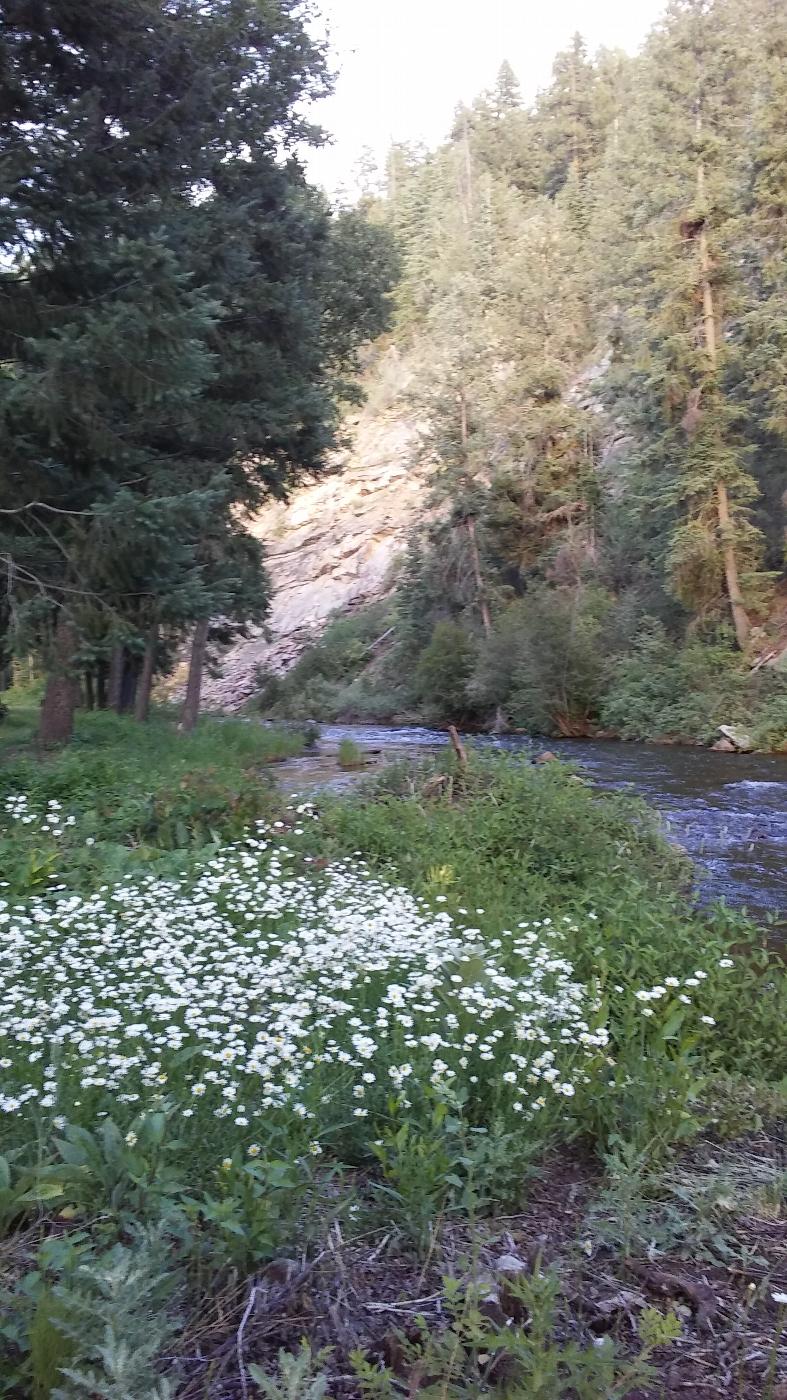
(332, 547)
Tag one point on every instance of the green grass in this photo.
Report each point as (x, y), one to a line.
(115, 754)
(506, 841)
(136, 791)
(190, 879)
(17, 725)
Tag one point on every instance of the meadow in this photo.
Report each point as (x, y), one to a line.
(448, 1078)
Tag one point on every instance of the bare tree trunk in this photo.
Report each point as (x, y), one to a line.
(101, 684)
(475, 559)
(56, 721)
(90, 691)
(115, 681)
(740, 616)
(128, 683)
(199, 646)
(142, 706)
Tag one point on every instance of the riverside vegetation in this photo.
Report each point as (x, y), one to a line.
(589, 329)
(449, 1078)
(458, 1087)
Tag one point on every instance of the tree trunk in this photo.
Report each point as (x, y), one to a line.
(101, 684)
(56, 721)
(142, 706)
(740, 616)
(128, 683)
(90, 692)
(475, 559)
(115, 681)
(199, 647)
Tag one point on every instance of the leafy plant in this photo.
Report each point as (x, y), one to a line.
(116, 1313)
(133, 1176)
(443, 672)
(350, 754)
(256, 1212)
(475, 1355)
(300, 1376)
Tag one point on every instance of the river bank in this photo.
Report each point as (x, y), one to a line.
(728, 812)
(461, 1048)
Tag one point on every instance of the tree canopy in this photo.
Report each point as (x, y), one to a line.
(179, 310)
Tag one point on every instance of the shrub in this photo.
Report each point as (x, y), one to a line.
(769, 726)
(545, 663)
(318, 681)
(664, 689)
(350, 755)
(444, 670)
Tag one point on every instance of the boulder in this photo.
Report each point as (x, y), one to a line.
(739, 740)
(724, 746)
(546, 757)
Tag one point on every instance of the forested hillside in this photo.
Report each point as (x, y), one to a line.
(593, 303)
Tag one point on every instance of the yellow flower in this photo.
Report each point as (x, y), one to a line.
(440, 876)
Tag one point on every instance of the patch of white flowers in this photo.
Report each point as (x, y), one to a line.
(261, 987)
(264, 990)
(52, 821)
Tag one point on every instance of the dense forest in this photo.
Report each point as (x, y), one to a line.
(588, 297)
(593, 315)
(179, 312)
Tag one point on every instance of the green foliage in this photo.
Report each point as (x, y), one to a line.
(444, 670)
(592, 308)
(350, 755)
(255, 1213)
(168, 362)
(475, 1355)
(133, 792)
(664, 689)
(299, 1378)
(117, 1316)
(768, 721)
(130, 1175)
(127, 1216)
(51, 1350)
(545, 663)
(692, 1209)
(338, 677)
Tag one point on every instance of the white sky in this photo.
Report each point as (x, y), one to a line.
(404, 65)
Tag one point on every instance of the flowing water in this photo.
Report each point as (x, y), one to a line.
(728, 811)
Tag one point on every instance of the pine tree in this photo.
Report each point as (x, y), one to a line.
(764, 227)
(154, 346)
(677, 279)
(566, 118)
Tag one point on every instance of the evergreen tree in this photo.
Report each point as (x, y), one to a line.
(676, 275)
(167, 327)
(566, 118)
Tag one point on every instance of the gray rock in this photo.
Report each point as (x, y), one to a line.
(737, 738)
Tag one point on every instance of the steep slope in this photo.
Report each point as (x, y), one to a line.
(332, 547)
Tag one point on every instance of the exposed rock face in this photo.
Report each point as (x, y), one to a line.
(332, 547)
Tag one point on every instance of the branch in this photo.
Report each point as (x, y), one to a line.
(42, 505)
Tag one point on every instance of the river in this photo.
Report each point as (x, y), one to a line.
(728, 811)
